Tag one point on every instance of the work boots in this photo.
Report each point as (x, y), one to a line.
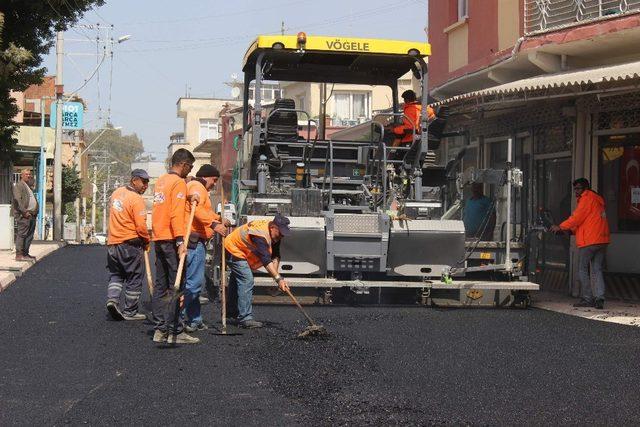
(251, 324)
(182, 338)
(114, 311)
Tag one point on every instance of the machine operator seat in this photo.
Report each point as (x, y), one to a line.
(282, 126)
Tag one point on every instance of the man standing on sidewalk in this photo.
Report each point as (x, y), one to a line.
(205, 222)
(168, 227)
(25, 208)
(589, 224)
(128, 236)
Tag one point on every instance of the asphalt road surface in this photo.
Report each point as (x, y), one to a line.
(63, 362)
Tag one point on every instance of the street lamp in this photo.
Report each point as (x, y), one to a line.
(124, 38)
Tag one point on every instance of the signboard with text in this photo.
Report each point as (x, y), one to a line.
(71, 115)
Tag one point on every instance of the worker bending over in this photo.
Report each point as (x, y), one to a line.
(128, 236)
(251, 246)
(411, 119)
(205, 223)
(589, 223)
(168, 227)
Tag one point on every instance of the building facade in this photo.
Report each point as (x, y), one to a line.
(200, 118)
(561, 80)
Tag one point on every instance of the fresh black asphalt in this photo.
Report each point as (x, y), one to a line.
(63, 362)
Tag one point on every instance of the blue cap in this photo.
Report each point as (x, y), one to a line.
(282, 222)
(140, 173)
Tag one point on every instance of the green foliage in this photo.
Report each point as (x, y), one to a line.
(71, 184)
(118, 148)
(27, 29)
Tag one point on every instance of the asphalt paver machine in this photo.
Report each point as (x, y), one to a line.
(368, 218)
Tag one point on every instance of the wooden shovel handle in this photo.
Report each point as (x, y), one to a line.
(176, 285)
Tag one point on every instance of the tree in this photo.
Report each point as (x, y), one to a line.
(27, 30)
(113, 146)
(71, 184)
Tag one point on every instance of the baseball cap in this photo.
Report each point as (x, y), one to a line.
(206, 171)
(140, 173)
(282, 222)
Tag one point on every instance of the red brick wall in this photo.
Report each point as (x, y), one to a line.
(47, 88)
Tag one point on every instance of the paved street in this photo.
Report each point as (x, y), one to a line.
(63, 362)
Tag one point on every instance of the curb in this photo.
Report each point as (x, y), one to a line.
(612, 316)
(7, 278)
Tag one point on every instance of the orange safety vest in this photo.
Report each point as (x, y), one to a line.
(412, 110)
(239, 243)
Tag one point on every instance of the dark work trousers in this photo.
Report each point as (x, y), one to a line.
(24, 235)
(126, 270)
(165, 301)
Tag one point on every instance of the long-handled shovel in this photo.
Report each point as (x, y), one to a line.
(147, 267)
(313, 330)
(176, 285)
(223, 273)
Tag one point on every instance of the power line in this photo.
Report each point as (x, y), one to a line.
(209, 17)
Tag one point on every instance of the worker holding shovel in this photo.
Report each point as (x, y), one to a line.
(251, 246)
(128, 236)
(168, 229)
(205, 223)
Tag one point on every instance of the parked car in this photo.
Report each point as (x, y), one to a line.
(101, 238)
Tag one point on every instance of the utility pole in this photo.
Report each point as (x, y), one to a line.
(104, 207)
(93, 198)
(282, 28)
(58, 226)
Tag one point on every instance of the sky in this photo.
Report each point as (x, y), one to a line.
(196, 46)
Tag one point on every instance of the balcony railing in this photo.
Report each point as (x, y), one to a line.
(550, 15)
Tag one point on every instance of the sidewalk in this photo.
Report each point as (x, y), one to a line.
(624, 313)
(10, 269)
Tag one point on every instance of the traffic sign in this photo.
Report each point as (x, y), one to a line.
(71, 115)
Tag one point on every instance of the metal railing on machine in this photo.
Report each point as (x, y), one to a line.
(541, 16)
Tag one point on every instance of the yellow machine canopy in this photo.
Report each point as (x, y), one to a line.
(332, 59)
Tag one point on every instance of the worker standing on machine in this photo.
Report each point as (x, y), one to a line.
(411, 120)
(251, 246)
(589, 223)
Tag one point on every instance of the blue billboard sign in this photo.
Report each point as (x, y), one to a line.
(71, 115)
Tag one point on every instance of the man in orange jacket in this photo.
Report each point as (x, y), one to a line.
(251, 246)
(168, 227)
(205, 223)
(589, 224)
(412, 110)
(128, 236)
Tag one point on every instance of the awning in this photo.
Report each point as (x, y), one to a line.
(568, 79)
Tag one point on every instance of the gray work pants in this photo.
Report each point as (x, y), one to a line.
(165, 301)
(24, 234)
(591, 260)
(126, 272)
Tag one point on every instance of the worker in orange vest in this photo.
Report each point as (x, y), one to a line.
(169, 224)
(250, 247)
(127, 238)
(205, 223)
(589, 224)
(411, 119)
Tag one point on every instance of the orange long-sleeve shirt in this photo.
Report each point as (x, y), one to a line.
(204, 216)
(168, 220)
(589, 221)
(127, 216)
(412, 110)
